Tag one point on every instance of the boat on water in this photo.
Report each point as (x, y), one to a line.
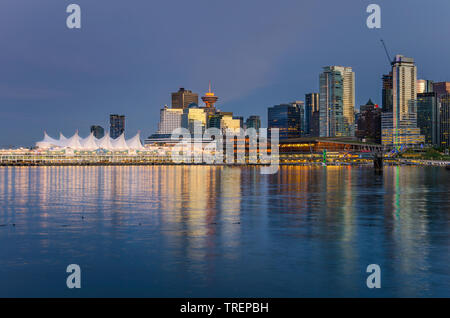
(447, 167)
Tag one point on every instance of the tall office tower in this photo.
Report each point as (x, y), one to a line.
(286, 118)
(170, 119)
(369, 122)
(303, 117)
(117, 125)
(424, 86)
(441, 88)
(445, 120)
(253, 122)
(387, 93)
(337, 101)
(312, 109)
(183, 98)
(192, 117)
(98, 131)
(428, 117)
(399, 127)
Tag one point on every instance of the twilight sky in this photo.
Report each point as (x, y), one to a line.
(130, 55)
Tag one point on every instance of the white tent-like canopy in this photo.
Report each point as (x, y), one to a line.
(90, 143)
(47, 142)
(73, 142)
(62, 139)
(105, 142)
(135, 143)
(119, 143)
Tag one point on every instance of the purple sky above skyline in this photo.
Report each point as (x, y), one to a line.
(129, 56)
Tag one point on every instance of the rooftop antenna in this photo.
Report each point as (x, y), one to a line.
(210, 86)
(386, 50)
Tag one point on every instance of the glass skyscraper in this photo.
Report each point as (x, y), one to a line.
(428, 117)
(387, 93)
(337, 101)
(312, 110)
(117, 125)
(285, 117)
(253, 122)
(98, 131)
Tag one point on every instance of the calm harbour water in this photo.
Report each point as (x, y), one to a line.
(199, 231)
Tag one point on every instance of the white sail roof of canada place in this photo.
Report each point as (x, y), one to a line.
(47, 142)
(90, 143)
(62, 139)
(119, 143)
(73, 142)
(105, 142)
(135, 142)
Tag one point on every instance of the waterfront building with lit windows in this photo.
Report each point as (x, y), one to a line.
(337, 102)
(406, 134)
(445, 120)
(286, 118)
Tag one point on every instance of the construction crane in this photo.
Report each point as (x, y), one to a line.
(387, 53)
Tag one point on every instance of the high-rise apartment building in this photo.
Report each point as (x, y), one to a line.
(337, 101)
(117, 125)
(98, 131)
(183, 98)
(399, 126)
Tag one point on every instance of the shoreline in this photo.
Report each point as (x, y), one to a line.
(427, 163)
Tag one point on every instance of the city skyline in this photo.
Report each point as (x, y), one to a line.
(130, 83)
